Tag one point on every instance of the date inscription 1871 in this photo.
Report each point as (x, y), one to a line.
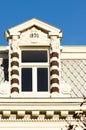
(34, 35)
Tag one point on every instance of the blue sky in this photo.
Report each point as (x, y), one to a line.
(68, 15)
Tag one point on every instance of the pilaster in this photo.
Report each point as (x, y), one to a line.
(14, 64)
(54, 64)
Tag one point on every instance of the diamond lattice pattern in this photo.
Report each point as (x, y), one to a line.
(73, 72)
(1, 74)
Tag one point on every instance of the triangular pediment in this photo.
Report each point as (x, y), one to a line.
(29, 24)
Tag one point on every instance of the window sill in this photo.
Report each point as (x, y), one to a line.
(31, 94)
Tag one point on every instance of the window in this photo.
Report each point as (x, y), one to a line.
(35, 70)
(26, 79)
(42, 84)
(34, 56)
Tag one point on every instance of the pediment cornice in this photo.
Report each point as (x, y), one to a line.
(17, 30)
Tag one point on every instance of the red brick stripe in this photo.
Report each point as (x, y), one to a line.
(15, 72)
(54, 54)
(15, 54)
(54, 89)
(14, 63)
(54, 80)
(14, 89)
(54, 63)
(54, 72)
(14, 80)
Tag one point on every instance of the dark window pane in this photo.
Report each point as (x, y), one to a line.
(34, 56)
(5, 66)
(26, 79)
(42, 82)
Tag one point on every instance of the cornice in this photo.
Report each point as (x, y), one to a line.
(17, 30)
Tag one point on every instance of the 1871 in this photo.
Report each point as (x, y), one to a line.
(34, 35)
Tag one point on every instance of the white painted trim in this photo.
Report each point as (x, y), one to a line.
(15, 84)
(42, 104)
(34, 79)
(73, 52)
(32, 95)
(73, 56)
(54, 67)
(15, 59)
(54, 85)
(72, 101)
(15, 76)
(30, 23)
(33, 125)
(4, 48)
(15, 67)
(38, 65)
(66, 49)
(54, 76)
(34, 67)
(54, 59)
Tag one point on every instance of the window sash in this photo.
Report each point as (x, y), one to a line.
(34, 56)
(29, 65)
(34, 67)
(32, 84)
(26, 79)
(42, 79)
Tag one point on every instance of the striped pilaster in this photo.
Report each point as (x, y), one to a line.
(54, 64)
(14, 72)
(54, 72)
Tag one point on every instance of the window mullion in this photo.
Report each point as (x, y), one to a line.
(34, 79)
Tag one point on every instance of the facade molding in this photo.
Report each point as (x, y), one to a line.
(41, 93)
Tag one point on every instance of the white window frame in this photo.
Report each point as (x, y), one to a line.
(34, 66)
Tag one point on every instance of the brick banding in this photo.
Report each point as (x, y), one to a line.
(15, 72)
(54, 63)
(14, 80)
(54, 72)
(54, 89)
(54, 54)
(54, 80)
(15, 54)
(14, 63)
(50, 55)
(14, 89)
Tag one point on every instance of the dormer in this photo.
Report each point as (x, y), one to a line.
(42, 85)
(34, 59)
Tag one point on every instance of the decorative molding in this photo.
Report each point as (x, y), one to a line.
(65, 88)
(20, 114)
(5, 89)
(33, 22)
(64, 113)
(49, 114)
(35, 114)
(55, 43)
(6, 114)
(34, 36)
